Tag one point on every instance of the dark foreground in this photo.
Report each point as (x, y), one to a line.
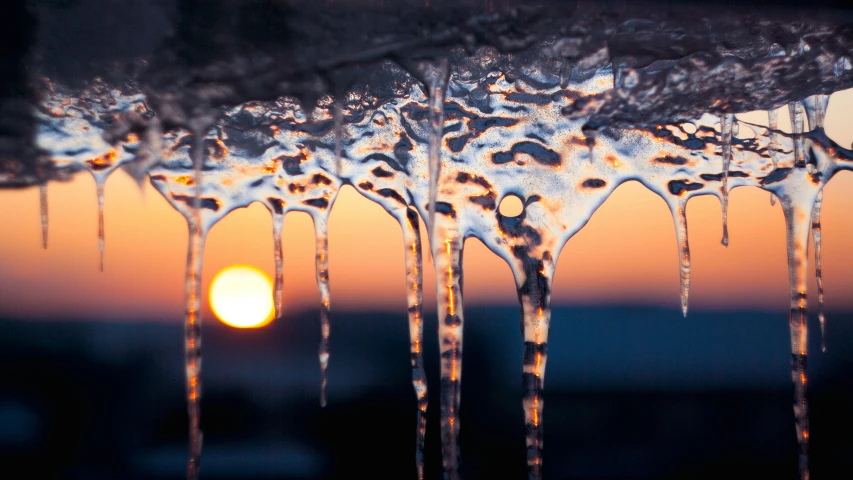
(631, 393)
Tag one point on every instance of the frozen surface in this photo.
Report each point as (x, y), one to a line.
(446, 136)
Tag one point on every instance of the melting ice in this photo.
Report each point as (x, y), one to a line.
(447, 152)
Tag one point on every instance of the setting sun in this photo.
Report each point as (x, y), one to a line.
(241, 297)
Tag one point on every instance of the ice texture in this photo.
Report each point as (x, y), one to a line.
(445, 140)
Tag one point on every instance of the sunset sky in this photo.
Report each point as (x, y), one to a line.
(626, 254)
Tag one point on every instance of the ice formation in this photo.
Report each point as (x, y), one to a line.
(447, 136)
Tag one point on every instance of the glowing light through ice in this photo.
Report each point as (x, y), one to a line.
(448, 151)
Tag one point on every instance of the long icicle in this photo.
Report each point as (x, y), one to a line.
(414, 297)
(437, 93)
(797, 222)
(322, 263)
(816, 239)
(726, 121)
(192, 320)
(679, 216)
(277, 227)
(816, 112)
(43, 209)
(773, 146)
(447, 255)
(534, 294)
(99, 184)
(192, 345)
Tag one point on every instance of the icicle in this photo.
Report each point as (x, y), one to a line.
(447, 255)
(438, 90)
(43, 208)
(192, 320)
(534, 287)
(797, 126)
(99, 183)
(726, 121)
(797, 221)
(322, 261)
(192, 345)
(816, 110)
(679, 215)
(414, 287)
(277, 224)
(772, 122)
(339, 133)
(566, 73)
(816, 234)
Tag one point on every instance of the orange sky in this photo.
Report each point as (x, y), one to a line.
(626, 254)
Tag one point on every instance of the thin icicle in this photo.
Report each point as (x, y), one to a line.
(192, 345)
(533, 292)
(437, 92)
(566, 73)
(339, 133)
(726, 121)
(797, 126)
(277, 225)
(447, 255)
(679, 215)
(414, 287)
(43, 209)
(797, 221)
(816, 110)
(773, 123)
(322, 261)
(192, 320)
(99, 183)
(816, 234)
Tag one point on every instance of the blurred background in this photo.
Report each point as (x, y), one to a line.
(91, 364)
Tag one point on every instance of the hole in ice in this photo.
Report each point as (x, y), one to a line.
(755, 117)
(735, 129)
(839, 118)
(784, 116)
(760, 117)
(511, 206)
(743, 131)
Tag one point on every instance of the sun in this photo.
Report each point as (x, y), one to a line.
(241, 297)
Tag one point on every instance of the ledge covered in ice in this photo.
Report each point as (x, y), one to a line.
(438, 115)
